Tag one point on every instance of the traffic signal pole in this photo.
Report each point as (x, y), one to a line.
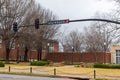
(79, 20)
(103, 20)
(66, 21)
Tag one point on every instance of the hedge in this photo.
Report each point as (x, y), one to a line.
(109, 66)
(2, 64)
(39, 63)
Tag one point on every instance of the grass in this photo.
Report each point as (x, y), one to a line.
(24, 68)
(101, 79)
(87, 71)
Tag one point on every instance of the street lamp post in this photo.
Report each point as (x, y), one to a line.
(72, 54)
(48, 45)
(104, 52)
(18, 53)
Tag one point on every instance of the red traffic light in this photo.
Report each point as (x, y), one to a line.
(67, 21)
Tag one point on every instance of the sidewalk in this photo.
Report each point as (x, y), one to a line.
(90, 77)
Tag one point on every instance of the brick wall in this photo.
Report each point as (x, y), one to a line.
(59, 57)
(79, 57)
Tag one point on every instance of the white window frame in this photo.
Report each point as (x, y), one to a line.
(117, 56)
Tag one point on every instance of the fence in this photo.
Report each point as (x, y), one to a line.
(58, 71)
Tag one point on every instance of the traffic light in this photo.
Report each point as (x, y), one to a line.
(66, 21)
(15, 26)
(36, 23)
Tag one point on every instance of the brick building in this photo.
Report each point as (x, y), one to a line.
(50, 52)
(17, 52)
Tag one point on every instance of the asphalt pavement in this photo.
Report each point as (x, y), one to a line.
(20, 77)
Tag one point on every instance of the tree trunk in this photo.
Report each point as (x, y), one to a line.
(38, 55)
(95, 55)
(26, 52)
(7, 55)
(39, 50)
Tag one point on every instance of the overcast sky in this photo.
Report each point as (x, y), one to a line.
(76, 9)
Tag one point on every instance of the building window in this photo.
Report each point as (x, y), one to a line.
(51, 47)
(44, 48)
(117, 56)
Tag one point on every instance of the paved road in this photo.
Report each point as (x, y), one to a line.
(19, 77)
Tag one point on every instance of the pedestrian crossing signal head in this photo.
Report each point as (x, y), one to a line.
(36, 23)
(15, 27)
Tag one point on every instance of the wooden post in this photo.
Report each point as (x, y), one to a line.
(9, 68)
(94, 74)
(54, 71)
(30, 69)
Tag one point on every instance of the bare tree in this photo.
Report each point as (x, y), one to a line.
(92, 39)
(35, 38)
(99, 36)
(114, 29)
(73, 39)
(46, 32)
(12, 11)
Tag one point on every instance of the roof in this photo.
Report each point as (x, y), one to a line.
(116, 44)
(54, 41)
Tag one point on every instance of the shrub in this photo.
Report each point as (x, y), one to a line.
(77, 65)
(2, 64)
(39, 63)
(110, 66)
